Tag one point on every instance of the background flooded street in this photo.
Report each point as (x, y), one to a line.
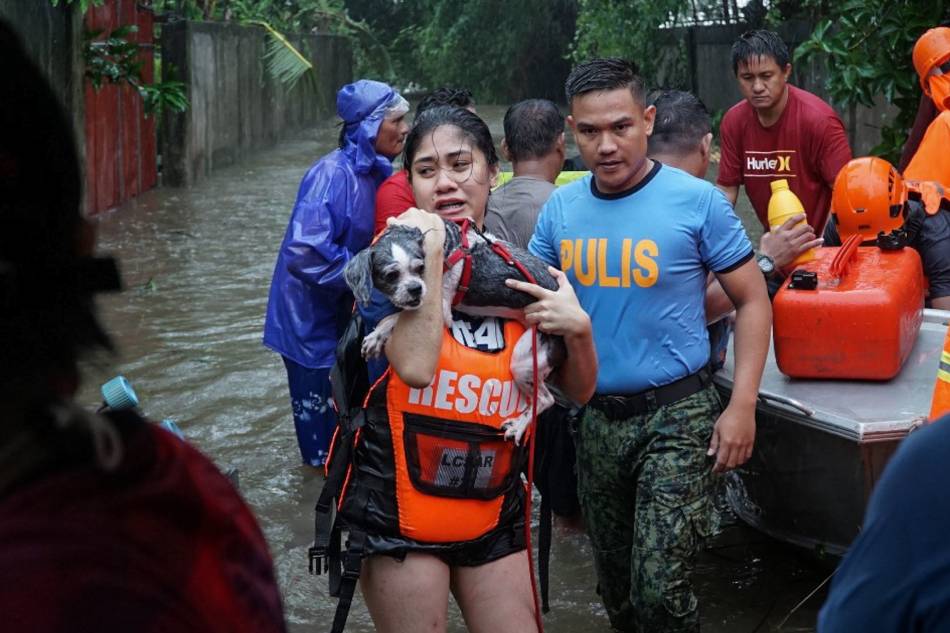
(197, 265)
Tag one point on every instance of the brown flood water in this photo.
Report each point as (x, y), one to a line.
(197, 265)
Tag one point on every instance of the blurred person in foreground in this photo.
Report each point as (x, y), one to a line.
(896, 575)
(108, 522)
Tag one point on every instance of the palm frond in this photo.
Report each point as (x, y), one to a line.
(284, 62)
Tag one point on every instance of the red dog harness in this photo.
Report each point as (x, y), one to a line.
(464, 252)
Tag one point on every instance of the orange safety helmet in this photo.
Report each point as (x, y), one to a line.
(932, 49)
(868, 198)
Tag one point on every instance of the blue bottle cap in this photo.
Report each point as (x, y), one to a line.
(117, 394)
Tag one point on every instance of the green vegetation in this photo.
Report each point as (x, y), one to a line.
(866, 45)
(115, 59)
(863, 47)
(645, 31)
(284, 62)
(607, 28)
(282, 19)
(502, 51)
(82, 4)
(506, 51)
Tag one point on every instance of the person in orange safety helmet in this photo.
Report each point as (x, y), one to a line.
(932, 62)
(870, 198)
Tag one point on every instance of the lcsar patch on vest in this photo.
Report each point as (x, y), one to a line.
(456, 462)
(486, 334)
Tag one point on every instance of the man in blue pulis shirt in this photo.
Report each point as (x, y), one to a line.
(636, 239)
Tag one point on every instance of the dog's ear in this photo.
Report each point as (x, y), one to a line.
(358, 274)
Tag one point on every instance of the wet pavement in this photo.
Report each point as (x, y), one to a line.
(197, 265)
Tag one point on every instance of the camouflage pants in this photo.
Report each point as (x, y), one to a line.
(645, 487)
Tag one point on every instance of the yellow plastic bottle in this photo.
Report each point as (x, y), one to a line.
(782, 205)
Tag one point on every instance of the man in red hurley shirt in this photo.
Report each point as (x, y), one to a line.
(778, 132)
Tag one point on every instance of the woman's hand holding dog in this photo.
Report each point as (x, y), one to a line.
(431, 225)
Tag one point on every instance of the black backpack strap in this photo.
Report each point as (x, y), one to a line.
(345, 570)
(348, 376)
(544, 457)
(350, 385)
(325, 509)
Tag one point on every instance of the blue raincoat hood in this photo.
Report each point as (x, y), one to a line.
(362, 106)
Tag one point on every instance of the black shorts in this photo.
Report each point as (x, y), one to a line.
(505, 539)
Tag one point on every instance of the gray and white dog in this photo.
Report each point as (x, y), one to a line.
(395, 265)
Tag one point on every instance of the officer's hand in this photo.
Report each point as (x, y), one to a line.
(732, 439)
(788, 241)
(556, 311)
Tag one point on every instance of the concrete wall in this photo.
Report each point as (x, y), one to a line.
(236, 107)
(53, 37)
(710, 76)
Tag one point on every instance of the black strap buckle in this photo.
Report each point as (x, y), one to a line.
(319, 560)
(352, 564)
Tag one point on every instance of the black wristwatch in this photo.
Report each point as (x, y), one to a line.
(766, 264)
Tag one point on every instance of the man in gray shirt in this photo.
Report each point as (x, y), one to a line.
(534, 143)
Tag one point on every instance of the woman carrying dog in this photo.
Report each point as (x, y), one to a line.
(435, 494)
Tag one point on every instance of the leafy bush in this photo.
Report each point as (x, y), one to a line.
(867, 47)
(501, 51)
(115, 59)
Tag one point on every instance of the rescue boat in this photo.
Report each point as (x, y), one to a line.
(821, 445)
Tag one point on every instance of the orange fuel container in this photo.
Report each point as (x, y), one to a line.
(853, 312)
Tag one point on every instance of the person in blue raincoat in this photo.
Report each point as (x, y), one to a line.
(331, 221)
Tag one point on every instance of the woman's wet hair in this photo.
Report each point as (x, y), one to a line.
(46, 312)
(470, 125)
(458, 97)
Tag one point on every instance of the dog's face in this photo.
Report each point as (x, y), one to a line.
(394, 265)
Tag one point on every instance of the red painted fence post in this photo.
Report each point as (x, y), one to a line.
(120, 140)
